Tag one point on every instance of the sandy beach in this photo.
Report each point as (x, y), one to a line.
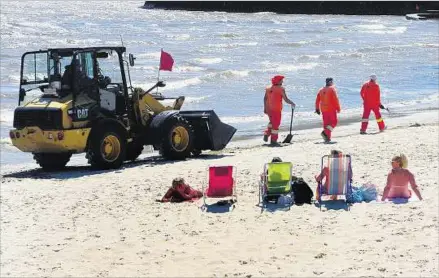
(106, 223)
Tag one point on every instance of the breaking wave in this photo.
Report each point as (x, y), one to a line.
(232, 45)
(293, 44)
(380, 29)
(290, 67)
(228, 74)
(208, 61)
(188, 69)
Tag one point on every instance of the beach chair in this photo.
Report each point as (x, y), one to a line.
(221, 184)
(275, 181)
(339, 176)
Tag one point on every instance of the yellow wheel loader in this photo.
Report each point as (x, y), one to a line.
(75, 100)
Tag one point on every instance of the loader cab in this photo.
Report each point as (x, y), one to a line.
(111, 81)
(47, 74)
(98, 84)
(93, 79)
(42, 75)
(83, 86)
(34, 76)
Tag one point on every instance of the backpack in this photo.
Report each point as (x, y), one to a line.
(302, 192)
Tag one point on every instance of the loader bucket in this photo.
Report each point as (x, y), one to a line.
(210, 132)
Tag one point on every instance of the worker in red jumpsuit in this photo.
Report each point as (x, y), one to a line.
(274, 95)
(327, 103)
(370, 93)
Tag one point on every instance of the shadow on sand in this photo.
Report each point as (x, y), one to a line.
(333, 205)
(219, 207)
(373, 133)
(71, 172)
(400, 201)
(273, 207)
(326, 143)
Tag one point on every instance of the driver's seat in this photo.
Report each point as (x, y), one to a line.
(112, 99)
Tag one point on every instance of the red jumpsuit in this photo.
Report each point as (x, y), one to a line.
(370, 93)
(327, 102)
(274, 96)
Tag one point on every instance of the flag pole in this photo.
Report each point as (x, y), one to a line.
(158, 72)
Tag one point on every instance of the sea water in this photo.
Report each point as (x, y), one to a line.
(224, 61)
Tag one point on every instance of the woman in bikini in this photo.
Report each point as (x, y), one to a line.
(398, 180)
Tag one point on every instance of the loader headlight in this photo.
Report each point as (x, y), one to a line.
(11, 134)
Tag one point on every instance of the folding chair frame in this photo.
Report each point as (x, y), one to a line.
(263, 184)
(348, 185)
(234, 194)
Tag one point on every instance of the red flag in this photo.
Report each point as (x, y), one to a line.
(166, 61)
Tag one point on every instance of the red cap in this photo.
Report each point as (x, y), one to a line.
(277, 79)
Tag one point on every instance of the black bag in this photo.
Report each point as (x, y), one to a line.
(302, 192)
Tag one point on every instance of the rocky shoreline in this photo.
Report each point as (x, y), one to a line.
(299, 7)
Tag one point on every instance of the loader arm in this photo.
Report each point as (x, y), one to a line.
(148, 105)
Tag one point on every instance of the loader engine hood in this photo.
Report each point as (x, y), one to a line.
(43, 102)
(45, 113)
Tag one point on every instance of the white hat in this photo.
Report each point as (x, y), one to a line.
(373, 77)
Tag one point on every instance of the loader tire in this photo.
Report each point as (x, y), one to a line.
(107, 148)
(178, 139)
(134, 149)
(52, 161)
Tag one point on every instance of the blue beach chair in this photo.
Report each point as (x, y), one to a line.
(338, 172)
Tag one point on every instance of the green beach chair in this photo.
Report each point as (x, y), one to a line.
(275, 181)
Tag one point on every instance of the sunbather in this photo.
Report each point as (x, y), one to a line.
(398, 180)
(324, 175)
(275, 159)
(180, 192)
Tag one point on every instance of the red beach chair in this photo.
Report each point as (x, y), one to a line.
(221, 183)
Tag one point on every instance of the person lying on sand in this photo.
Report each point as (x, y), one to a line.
(398, 180)
(180, 192)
